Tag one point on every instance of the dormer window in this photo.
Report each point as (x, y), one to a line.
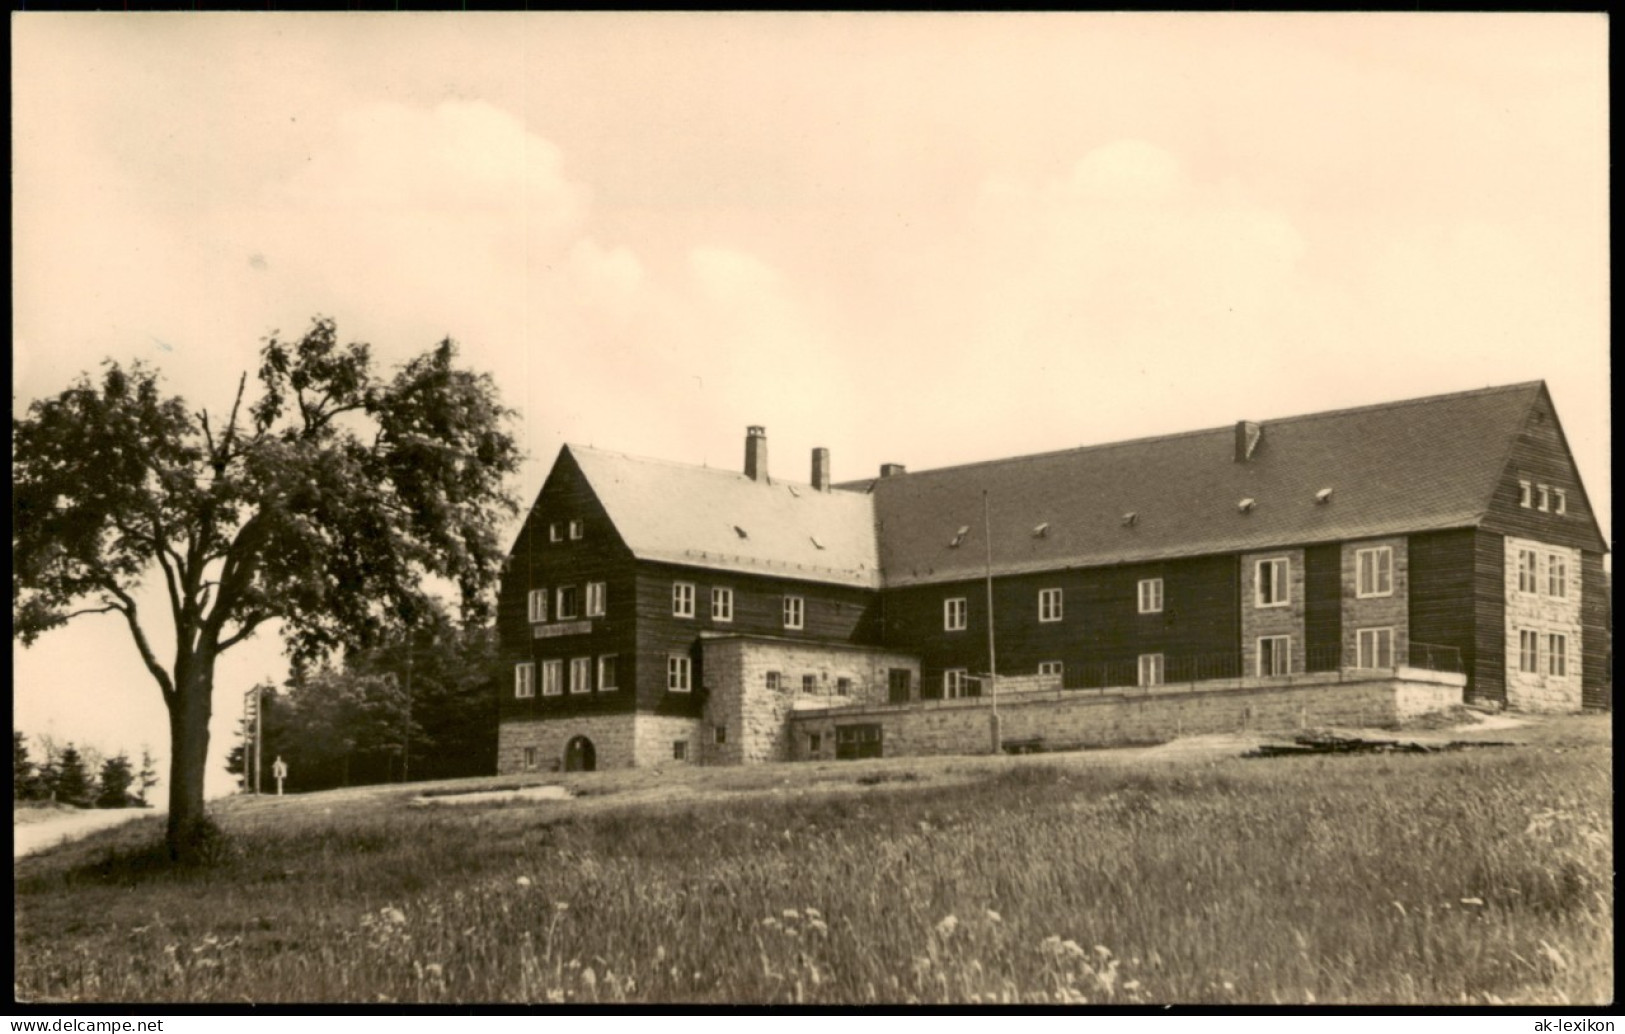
(1129, 519)
(815, 542)
(1323, 496)
(1041, 530)
(959, 536)
(1246, 505)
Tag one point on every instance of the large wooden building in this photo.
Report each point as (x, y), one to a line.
(658, 612)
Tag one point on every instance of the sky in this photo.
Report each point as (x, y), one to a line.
(920, 239)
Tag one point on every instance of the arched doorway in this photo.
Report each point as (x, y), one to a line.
(580, 755)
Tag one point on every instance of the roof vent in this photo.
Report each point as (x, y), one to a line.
(740, 532)
(1246, 505)
(1323, 496)
(1248, 435)
(959, 536)
(1129, 519)
(793, 491)
(815, 541)
(888, 470)
(1041, 530)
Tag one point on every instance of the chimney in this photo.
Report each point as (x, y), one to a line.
(820, 469)
(1248, 435)
(888, 470)
(756, 453)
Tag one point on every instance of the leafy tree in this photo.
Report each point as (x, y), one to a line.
(25, 784)
(73, 785)
(323, 505)
(113, 788)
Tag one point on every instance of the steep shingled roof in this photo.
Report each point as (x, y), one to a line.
(683, 514)
(1419, 465)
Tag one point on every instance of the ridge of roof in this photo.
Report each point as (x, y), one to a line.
(702, 468)
(1223, 429)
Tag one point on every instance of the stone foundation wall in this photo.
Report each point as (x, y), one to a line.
(1079, 719)
(619, 741)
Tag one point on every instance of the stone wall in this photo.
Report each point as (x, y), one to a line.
(619, 741)
(1259, 621)
(1391, 611)
(1543, 614)
(1073, 718)
(756, 718)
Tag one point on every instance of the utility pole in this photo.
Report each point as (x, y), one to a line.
(992, 656)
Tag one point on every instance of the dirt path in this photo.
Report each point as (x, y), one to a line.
(68, 825)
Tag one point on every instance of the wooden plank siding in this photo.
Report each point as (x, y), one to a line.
(1100, 625)
(836, 613)
(1596, 627)
(1443, 606)
(536, 562)
(1487, 678)
(1541, 456)
(1323, 606)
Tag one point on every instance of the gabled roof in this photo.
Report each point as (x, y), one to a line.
(1397, 468)
(701, 517)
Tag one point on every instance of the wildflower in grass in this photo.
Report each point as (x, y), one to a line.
(523, 881)
(994, 917)
(817, 925)
(1472, 901)
(561, 906)
(770, 921)
(946, 928)
(791, 914)
(813, 913)
(393, 915)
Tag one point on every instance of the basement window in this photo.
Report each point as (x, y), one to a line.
(815, 742)
(843, 687)
(679, 750)
(530, 757)
(719, 734)
(809, 683)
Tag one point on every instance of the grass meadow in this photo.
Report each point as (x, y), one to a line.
(1478, 876)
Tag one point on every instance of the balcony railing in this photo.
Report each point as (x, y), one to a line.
(1126, 673)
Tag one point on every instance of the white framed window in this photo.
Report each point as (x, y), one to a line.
(581, 674)
(1150, 595)
(1529, 651)
(567, 602)
(1528, 568)
(1545, 497)
(1557, 655)
(1051, 668)
(679, 750)
(1049, 605)
(1526, 494)
(794, 611)
(1275, 655)
(524, 680)
(719, 734)
(1270, 584)
(555, 532)
(1557, 575)
(679, 673)
(530, 757)
(595, 599)
(775, 681)
(809, 683)
(1375, 648)
(682, 599)
(552, 678)
(609, 673)
(1150, 669)
(955, 683)
(538, 606)
(722, 604)
(1374, 571)
(1560, 501)
(955, 613)
(577, 530)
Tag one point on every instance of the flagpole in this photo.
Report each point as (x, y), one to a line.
(992, 656)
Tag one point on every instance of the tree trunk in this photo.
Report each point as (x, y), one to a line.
(189, 759)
